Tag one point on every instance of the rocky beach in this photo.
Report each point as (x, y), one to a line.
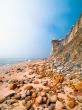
(53, 83)
(38, 85)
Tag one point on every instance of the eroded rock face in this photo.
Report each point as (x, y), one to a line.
(57, 45)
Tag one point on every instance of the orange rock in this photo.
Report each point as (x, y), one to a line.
(78, 86)
(34, 95)
(40, 89)
(28, 87)
(58, 78)
(36, 82)
(70, 104)
(12, 86)
(46, 89)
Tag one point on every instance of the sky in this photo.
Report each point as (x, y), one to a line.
(28, 26)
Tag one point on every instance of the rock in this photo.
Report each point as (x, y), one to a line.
(34, 95)
(12, 101)
(79, 98)
(28, 105)
(48, 102)
(18, 96)
(2, 99)
(44, 99)
(36, 82)
(30, 81)
(38, 100)
(70, 104)
(28, 93)
(46, 109)
(59, 105)
(23, 95)
(46, 89)
(28, 87)
(28, 98)
(44, 83)
(10, 95)
(68, 89)
(58, 78)
(18, 91)
(40, 89)
(53, 98)
(43, 94)
(23, 102)
(78, 86)
(12, 86)
(52, 106)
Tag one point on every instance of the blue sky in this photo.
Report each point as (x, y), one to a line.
(28, 26)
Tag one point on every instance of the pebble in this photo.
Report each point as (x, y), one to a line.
(34, 95)
(79, 98)
(36, 82)
(2, 99)
(70, 104)
(28, 87)
(38, 100)
(18, 96)
(44, 99)
(12, 86)
(59, 105)
(43, 94)
(28, 105)
(53, 98)
(46, 89)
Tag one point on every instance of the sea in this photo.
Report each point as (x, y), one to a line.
(8, 61)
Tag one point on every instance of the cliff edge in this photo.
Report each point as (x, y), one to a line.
(67, 53)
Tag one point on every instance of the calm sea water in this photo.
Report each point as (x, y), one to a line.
(5, 61)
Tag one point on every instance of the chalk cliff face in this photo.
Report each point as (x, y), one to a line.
(59, 45)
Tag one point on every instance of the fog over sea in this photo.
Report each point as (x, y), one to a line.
(8, 61)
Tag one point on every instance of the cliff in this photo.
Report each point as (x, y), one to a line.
(57, 45)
